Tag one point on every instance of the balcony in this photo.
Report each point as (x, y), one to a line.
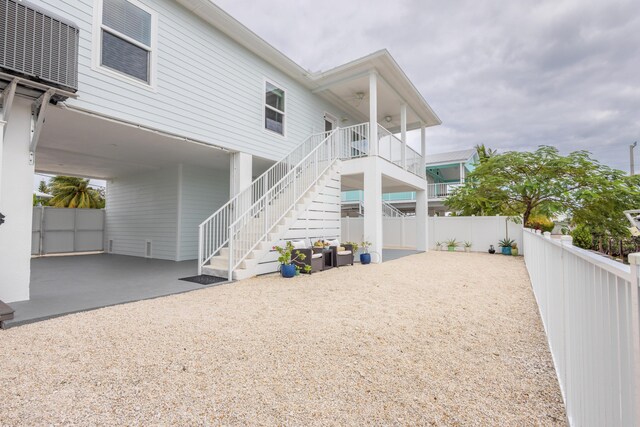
(442, 190)
(390, 148)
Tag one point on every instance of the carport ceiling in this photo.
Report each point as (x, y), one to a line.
(78, 144)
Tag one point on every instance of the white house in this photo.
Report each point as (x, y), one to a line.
(214, 144)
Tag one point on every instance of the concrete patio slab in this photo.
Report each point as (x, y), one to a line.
(68, 284)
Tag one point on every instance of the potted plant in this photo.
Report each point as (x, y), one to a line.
(492, 250)
(365, 256)
(452, 244)
(438, 246)
(514, 249)
(287, 268)
(354, 246)
(467, 246)
(505, 244)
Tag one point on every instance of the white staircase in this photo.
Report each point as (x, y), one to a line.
(238, 235)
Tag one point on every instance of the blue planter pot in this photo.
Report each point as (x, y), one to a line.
(506, 250)
(365, 258)
(288, 271)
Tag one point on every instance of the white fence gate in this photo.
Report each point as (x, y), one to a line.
(60, 230)
(589, 307)
(481, 231)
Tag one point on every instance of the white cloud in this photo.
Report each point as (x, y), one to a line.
(511, 75)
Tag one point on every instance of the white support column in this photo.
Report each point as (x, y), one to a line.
(461, 172)
(16, 203)
(422, 218)
(373, 207)
(403, 133)
(241, 174)
(373, 113)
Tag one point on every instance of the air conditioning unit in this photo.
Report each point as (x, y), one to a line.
(38, 45)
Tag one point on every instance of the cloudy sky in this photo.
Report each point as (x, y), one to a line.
(510, 74)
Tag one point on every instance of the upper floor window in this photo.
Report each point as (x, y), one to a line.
(126, 33)
(274, 114)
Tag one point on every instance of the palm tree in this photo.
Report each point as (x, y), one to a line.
(485, 153)
(72, 192)
(43, 188)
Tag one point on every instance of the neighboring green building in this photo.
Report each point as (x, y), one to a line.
(445, 171)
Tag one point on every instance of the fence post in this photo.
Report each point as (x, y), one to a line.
(634, 261)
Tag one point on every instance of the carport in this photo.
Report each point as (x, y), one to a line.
(159, 188)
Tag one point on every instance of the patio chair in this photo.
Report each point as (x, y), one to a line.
(313, 257)
(343, 256)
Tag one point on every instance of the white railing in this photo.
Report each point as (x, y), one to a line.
(214, 231)
(391, 211)
(441, 190)
(255, 224)
(589, 308)
(354, 141)
(391, 148)
(388, 210)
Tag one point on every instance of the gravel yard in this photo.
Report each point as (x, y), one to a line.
(438, 338)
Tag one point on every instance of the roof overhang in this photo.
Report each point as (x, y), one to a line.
(390, 77)
(324, 83)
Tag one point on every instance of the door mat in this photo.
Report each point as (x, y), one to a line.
(205, 279)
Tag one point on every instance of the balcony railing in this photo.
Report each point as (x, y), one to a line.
(442, 190)
(390, 148)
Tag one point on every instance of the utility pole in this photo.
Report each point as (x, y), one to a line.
(631, 165)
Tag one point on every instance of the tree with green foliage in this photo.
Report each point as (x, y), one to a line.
(72, 192)
(546, 183)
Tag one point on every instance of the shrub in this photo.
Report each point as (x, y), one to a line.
(582, 237)
(539, 222)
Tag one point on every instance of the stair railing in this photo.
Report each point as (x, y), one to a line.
(214, 231)
(248, 218)
(255, 224)
(391, 211)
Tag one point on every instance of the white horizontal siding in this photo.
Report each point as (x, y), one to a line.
(208, 87)
(202, 192)
(144, 207)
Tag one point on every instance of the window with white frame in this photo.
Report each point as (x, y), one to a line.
(126, 39)
(274, 114)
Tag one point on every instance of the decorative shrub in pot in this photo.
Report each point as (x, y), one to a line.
(492, 250)
(514, 249)
(452, 244)
(365, 256)
(505, 244)
(287, 268)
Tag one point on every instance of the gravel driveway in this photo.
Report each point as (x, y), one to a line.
(438, 338)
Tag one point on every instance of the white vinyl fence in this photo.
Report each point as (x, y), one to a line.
(589, 307)
(61, 230)
(481, 231)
